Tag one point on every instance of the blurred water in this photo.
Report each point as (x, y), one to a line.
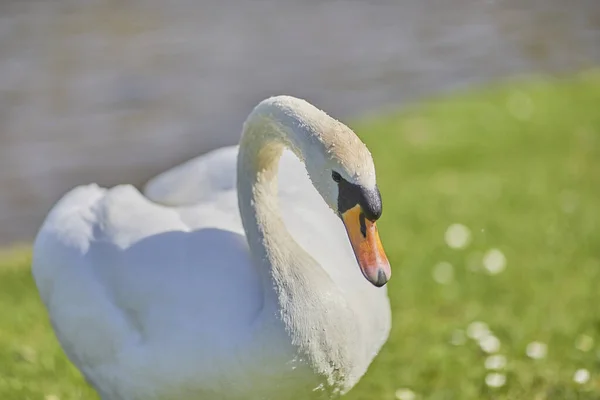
(115, 91)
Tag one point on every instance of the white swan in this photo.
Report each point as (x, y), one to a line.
(212, 301)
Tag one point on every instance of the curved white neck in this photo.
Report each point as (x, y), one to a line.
(298, 292)
(267, 131)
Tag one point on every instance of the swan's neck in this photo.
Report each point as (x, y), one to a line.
(312, 309)
(282, 261)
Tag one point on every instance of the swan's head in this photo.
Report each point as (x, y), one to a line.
(340, 167)
(342, 170)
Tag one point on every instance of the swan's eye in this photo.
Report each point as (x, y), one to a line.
(336, 176)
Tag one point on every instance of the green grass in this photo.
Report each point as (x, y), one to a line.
(519, 165)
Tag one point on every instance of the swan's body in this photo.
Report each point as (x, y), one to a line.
(193, 299)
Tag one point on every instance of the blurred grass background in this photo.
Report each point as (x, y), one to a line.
(491, 215)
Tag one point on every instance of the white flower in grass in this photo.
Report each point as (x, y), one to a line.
(457, 236)
(494, 261)
(477, 330)
(581, 376)
(495, 379)
(489, 344)
(537, 350)
(495, 362)
(405, 394)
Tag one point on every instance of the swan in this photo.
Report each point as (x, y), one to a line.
(253, 272)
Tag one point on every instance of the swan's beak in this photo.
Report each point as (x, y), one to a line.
(367, 247)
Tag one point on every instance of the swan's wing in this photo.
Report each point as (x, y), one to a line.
(195, 180)
(119, 274)
(206, 177)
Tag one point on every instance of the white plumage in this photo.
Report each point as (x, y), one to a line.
(159, 297)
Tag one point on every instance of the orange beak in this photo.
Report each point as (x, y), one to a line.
(367, 247)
